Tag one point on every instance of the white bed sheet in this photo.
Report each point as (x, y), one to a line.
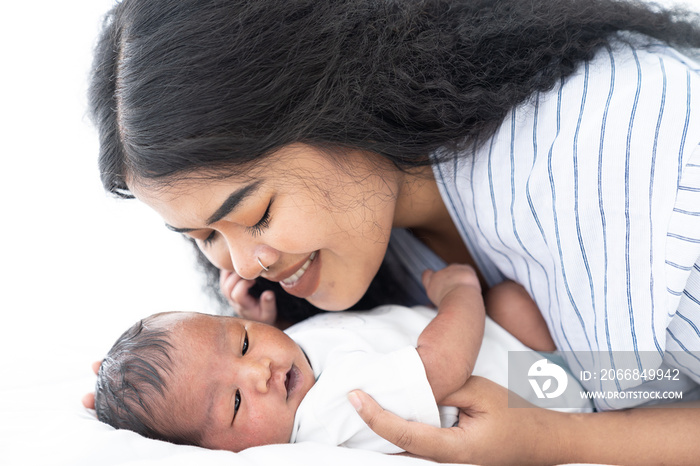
(44, 423)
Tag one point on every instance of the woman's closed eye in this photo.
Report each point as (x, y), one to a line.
(262, 224)
(254, 230)
(209, 239)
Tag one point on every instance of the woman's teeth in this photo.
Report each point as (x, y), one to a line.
(297, 275)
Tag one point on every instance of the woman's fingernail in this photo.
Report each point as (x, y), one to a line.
(355, 401)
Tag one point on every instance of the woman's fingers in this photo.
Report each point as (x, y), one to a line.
(488, 430)
(89, 398)
(414, 437)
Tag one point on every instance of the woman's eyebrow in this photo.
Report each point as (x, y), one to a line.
(229, 205)
(232, 201)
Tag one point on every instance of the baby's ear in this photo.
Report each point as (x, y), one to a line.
(89, 401)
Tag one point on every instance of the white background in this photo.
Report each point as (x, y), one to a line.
(77, 267)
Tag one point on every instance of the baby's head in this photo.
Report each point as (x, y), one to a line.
(198, 379)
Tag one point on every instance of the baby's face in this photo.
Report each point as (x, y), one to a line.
(237, 382)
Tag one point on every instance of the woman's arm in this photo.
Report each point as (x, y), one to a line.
(491, 432)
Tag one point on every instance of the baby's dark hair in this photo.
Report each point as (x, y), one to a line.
(132, 381)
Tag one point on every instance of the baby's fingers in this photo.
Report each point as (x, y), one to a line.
(227, 281)
(427, 277)
(263, 309)
(268, 307)
(241, 298)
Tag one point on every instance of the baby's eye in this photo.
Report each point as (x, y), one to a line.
(237, 401)
(244, 350)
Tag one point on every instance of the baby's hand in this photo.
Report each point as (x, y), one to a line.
(449, 344)
(439, 284)
(235, 289)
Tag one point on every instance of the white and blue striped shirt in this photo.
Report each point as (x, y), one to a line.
(589, 196)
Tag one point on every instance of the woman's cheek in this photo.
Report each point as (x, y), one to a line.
(217, 254)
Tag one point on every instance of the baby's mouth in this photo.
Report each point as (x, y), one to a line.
(291, 380)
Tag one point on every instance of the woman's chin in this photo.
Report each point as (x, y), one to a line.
(329, 303)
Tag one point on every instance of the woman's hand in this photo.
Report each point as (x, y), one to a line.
(89, 398)
(492, 430)
(489, 431)
(235, 289)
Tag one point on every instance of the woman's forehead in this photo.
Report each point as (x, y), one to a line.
(301, 161)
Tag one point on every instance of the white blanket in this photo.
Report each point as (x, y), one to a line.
(44, 422)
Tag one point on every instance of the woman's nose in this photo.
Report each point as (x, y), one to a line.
(248, 260)
(252, 262)
(247, 267)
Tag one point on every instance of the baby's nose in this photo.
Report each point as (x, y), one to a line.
(260, 373)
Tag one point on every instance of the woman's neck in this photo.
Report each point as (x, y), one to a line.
(420, 208)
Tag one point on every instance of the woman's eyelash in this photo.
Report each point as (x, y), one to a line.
(255, 230)
(209, 239)
(262, 224)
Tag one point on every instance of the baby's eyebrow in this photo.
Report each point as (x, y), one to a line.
(222, 336)
(214, 390)
(210, 409)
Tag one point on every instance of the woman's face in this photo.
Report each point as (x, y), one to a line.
(320, 227)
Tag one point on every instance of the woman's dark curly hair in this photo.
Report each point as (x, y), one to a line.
(213, 85)
(182, 85)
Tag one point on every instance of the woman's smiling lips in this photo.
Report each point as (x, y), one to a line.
(302, 279)
(290, 281)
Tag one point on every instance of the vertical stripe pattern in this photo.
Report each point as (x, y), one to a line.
(589, 196)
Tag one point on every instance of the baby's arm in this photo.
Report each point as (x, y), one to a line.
(450, 343)
(511, 307)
